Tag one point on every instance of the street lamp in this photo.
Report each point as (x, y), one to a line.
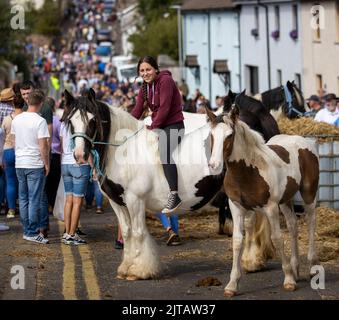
(178, 8)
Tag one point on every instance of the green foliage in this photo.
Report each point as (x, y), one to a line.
(157, 34)
(49, 19)
(5, 28)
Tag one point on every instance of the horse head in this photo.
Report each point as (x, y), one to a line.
(222, 136)
(229, 100)
(83, 117)
(297, 106)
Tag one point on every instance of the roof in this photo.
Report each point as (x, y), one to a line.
(196, 5)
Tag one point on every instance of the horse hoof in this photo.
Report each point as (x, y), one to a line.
(229, 293)
(132, 278)
(290, 287)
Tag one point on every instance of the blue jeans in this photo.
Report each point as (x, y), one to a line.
(75, 179)
(31, 184)
(94, 190)
(11, 178)
(169, 222)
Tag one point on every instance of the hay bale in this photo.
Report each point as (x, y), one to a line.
(307, 127)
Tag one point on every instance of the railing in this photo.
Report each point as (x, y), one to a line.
(328, 150)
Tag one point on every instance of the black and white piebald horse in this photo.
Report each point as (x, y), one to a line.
(285, 100)
(132, 176)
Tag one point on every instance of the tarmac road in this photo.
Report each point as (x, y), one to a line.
(56, 271)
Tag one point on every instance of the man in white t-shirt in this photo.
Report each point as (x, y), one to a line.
(31, 163)
(330, 113)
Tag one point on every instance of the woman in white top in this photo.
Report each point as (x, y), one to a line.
(75, 179)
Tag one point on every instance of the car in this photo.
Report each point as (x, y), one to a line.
(104, 35)
(104, 52)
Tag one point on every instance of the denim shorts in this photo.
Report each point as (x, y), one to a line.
(75, 179)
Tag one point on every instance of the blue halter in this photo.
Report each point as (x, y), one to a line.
(289, 100)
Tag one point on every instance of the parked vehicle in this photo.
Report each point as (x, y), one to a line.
(104, 51)
(126, 72)
(104, 35)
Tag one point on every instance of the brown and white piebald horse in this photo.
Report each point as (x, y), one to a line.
(264, 178)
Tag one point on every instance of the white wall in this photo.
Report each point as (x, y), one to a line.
(321, 57)
(253, 50)
(225, 46)
(221, 43)
(285, 53)
(196, 43)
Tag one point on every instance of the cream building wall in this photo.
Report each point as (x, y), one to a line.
(320, 57)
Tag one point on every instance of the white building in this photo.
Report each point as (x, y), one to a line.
(270, 42)
(128, 19)
(210, 45)
(320, 46)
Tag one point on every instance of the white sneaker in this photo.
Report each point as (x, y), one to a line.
(38, 239)
(3, 227)
(65, 237)
(11, 214)
(78, 240)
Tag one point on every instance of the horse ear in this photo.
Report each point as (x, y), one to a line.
(91, 94)
(230, 93)
(289, 85)
(234, 114)
(243, 93)
(68, 98)
(210, 115)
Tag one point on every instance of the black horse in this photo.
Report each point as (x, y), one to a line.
(288, 98)
(254, 113)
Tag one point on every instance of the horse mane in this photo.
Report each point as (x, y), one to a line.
(123, 119)
(300, 98)
(246, 102)
(273, 98)
(252, 138)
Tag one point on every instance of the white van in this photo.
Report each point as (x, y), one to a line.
(120, 60)
(126, 72)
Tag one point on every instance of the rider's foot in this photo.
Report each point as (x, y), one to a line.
(173, 202)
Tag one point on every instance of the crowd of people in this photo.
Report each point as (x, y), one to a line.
(34, 141)
(34, 154)
(325, 109)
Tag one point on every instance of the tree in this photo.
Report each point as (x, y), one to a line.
(5, 28)
(158, 31)
(49, 19)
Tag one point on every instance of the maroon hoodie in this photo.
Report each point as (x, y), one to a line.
(164, 100)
